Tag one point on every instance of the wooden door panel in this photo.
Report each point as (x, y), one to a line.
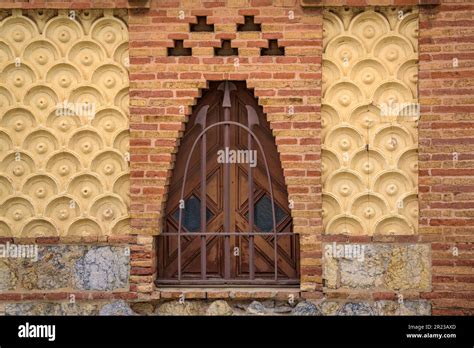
(260, 187)
(264, 245)
(191, 254)
(214, 188)
(214, 141)
(191, 246)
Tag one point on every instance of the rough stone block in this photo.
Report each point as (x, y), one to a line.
(68, 267)
(184, 308)
(65, 308)
(381, 266)
(102, 268)
(116, 308)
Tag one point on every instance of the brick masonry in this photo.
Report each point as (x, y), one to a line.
(446, 153)
(164, 89)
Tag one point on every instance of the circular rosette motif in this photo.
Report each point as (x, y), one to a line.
(86, 55)
(63, 77)
(41, 188)
(122, 142)
(345, 51)
(408, 163)
(408, 28)
(109, 164)
(346, 225)
(392, 51)
(17, 165)
(38, 228)
(369, 207)
(40, 144)
(329, 163)
(62, 125)
(63, 165)
(6, 144)
(18, 79)
(6, 188)
(40, 54)
(369, 119)
(84, 227)
(332, 27)
(121, 55)
(393, 140)
(86, 101)
(63, 32)
(6, 54)
(343, 96)
(344, 139)
(391, 97)
(408, 74)
(368, 74)
(367, 164)
(122, 188)
(109, 121)
(392, 185)
(85, 188)
(368, 27)
(344, 185)
(393, 225)
(19, 122)
(110, 32)
(122, 100)
(40, 100)
(63, 210)
(6, 98)
(5, 230)
(110, 79)
(107, 210)
(330, 207)
(86, 143)
(410, 209)
(18, 31)
(17, 211)
(329, 119)
(122, 227)
(408, 117)
(366, 118)
(331, 74)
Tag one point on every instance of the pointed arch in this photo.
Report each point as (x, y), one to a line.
(227, 240)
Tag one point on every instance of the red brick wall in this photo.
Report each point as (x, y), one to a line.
(446, 185)
(161, 84)
(164, 89)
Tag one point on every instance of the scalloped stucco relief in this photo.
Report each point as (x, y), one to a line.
(369, 121)
(64, 129)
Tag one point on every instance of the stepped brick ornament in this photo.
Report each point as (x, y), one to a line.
(64, 132)
(369, 155)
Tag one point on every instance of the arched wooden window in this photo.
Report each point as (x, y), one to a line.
(232, 238)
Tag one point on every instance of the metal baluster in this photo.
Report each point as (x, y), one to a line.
(252, 118)
(227, 233)
(201, 120)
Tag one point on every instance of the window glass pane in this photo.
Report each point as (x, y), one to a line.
(192, 214)
(263, 214)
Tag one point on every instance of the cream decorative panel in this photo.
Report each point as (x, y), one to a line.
(369, 121)
(64, 134)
